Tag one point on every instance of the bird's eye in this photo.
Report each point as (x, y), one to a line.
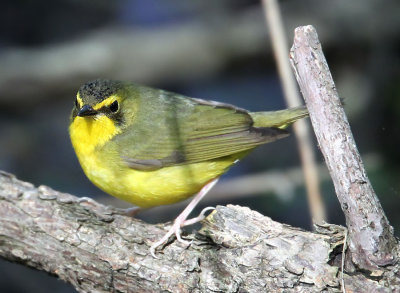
(76, 103)
(114, 106)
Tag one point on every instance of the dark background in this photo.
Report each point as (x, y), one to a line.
(216, 50)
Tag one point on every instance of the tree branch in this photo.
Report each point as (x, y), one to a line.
(94, 249)
(372, 242)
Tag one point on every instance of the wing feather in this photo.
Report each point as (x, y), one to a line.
(193, 131)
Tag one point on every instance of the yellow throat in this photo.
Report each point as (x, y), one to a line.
(87, 134)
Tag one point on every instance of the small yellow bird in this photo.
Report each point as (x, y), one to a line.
(151, 147)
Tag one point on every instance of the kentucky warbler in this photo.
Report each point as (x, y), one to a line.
(151, 147)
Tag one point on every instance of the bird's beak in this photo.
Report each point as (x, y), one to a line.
(86, 110)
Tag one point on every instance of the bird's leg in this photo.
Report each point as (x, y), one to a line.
(85, 199)
(181, 221)
(130, 212)
(199, 218)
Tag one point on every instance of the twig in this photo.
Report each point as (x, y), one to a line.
(371, 240)
(292, 97)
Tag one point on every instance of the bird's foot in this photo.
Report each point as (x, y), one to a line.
(129, 212)
(175, 229)
(199, 218)
(87, 200)
(181, 220)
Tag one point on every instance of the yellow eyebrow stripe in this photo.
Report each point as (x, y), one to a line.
(80, 102)
(105, 103)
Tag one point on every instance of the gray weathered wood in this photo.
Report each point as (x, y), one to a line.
(372, 242)
(237, 250)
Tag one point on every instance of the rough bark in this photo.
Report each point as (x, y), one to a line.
(372, 243)
(97, 250)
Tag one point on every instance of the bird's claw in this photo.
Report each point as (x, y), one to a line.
(87, 200)
(129, 212)
(175, 229)
(199, 218)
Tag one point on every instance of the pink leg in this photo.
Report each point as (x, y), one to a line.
(130, 212)
(199, 218)
(181, 221)
(88, 200)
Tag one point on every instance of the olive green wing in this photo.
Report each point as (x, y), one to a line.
(191, 131)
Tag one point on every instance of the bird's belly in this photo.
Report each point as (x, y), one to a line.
(152, 188)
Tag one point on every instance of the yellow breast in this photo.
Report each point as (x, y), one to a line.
(107, 171)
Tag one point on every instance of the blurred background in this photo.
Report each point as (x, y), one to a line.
(218, 50)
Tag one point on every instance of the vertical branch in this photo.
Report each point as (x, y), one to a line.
(292, 97)
(372, 242)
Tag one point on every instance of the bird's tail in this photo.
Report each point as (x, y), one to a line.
(279, 119)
